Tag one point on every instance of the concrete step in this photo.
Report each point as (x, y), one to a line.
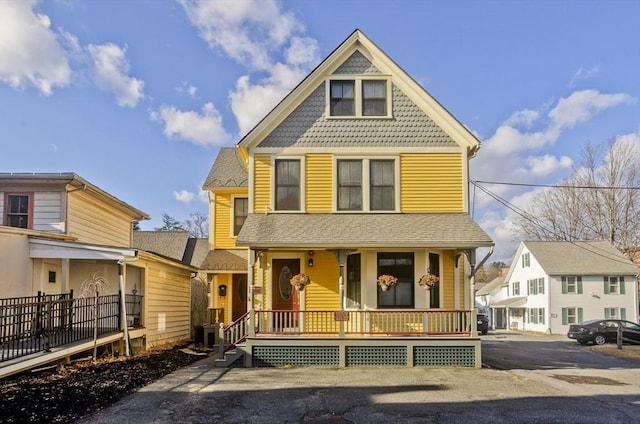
(229, 358)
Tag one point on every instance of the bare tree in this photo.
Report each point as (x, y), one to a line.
(599, 201)
(169, 223)
(197, 225)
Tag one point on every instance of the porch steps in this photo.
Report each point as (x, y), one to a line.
(232, 357)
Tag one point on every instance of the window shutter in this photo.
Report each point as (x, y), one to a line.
(543, 317)
(607, 313)
(564, 291)
(623, 313)
(606, 284)
(621, 282)
(579, 280)
(580, 318)
(565, 318)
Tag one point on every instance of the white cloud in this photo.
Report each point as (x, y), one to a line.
(584, 74)
(251, 102)
(111, 68)
(184, 196)
(185, 87)
(581, 106)
(522, 118)
(542, 166)
(203, 195)
(261, 36)
(247, 31)
(31, 53)
(203, 129)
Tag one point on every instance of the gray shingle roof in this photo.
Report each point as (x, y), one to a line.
(490, 286)
(227, 170)
(225, 260)
(581, 258)
(362, 230)
(170, 244)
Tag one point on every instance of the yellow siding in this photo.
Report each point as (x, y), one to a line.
(323, 292)
(262, 183)
(223, 219)
(168, 304)
(448, 261)
(223, 302)
(431, 182)
(319, 175)
(93, 221)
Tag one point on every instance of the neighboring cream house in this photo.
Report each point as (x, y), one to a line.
(551, 285)
(57, 231)
(357, 173)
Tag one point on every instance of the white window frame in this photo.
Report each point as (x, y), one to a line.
(614, 312)
(366, 183)
(302, 183)
(572, 315)
(526, 260)
(615, 285)
(572, 286)
(358, 95)
(540, 286)
(515, 288)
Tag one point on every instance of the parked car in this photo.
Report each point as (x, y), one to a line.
(604, 331)
(483, 324)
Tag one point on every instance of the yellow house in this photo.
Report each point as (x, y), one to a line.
(357, 176)
(59, 232)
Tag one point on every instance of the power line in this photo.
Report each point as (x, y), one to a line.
(553, 185)
(533, 220)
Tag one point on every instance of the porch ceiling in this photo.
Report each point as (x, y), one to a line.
(376, 230)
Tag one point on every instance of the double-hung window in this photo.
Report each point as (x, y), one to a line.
(515, 288)
(359, 97)
(571, 285)
(614, 285)
(240, 212)
(366, 185)
(526, 260)
(287, 185)
(18, 209)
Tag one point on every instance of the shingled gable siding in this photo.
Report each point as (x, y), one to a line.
(431, 182)
(93, 221)
(319, 182)
(262, 183)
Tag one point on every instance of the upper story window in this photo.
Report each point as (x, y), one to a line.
(287, 185)
(536, 286)
(366, 185)
(240, 212)
(359, 97)
(571, 285)
(526, 261)
(614, 285)
(342, 98)
(515, 288)
(18, 209)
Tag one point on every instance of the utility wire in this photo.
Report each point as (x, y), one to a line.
(533, 220)
(554, 186)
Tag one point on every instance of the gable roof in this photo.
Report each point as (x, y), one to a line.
(447, 230)
(357, 41)
(490, 286)
(227, 171)
(176, 245)
(77, 182)
(580, 258)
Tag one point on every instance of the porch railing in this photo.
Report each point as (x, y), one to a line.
(39, 323)
(397, 322)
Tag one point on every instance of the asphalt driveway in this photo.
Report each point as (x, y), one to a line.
(556, 394)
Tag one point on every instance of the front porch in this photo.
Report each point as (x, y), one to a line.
(268, 338)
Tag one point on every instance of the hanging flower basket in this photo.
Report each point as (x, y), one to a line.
(300, 281)
(386, 281)
(428, 280)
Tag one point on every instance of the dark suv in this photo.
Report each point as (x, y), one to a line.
(483, 324)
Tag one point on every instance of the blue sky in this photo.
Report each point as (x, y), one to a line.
(137, 96)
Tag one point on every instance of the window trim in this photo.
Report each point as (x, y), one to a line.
(366, 183)
(233, 212)
(526, 260)
(515, 285)
(274, 160)
(5, 217)
(358, 93)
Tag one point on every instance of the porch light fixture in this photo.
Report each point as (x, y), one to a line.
(310, 262)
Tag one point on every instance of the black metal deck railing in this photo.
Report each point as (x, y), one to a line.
(39, 323)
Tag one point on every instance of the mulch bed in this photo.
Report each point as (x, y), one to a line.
(84, 387)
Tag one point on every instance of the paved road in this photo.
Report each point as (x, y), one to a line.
(205, 394)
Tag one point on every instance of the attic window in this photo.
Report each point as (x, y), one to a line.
(359, 97)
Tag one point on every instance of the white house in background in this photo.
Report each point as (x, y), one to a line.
(492, 293)
(551, 285)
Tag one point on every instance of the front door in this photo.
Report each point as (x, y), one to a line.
(284, 297)
(238, 295)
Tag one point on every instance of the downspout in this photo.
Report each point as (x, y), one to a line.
(123, 303)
